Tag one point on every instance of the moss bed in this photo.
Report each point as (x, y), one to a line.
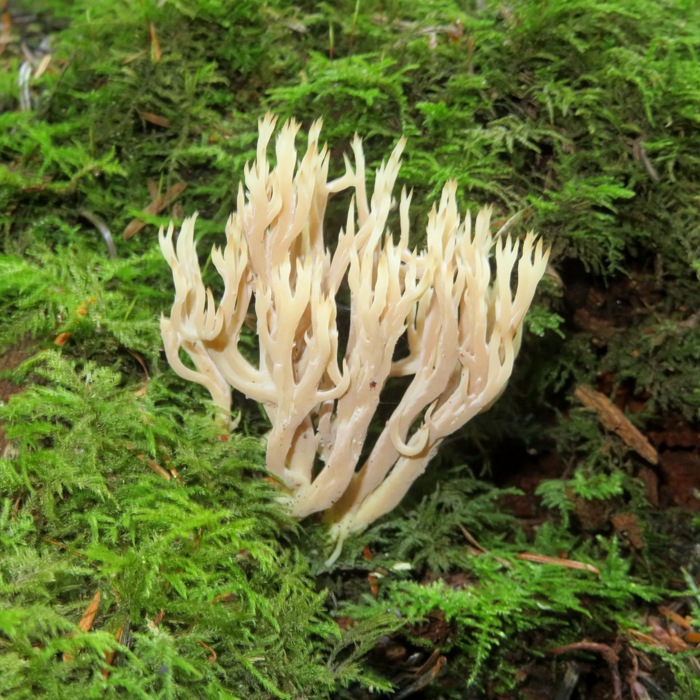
(551, 551)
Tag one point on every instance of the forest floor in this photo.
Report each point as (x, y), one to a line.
(550, 553)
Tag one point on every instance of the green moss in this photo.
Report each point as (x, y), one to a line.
(581, 116)
(106, 492)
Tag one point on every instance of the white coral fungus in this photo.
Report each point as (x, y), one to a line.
(459, 319)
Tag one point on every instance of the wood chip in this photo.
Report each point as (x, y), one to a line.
(613, 419)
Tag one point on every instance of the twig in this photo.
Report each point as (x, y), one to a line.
(612, 418)
(607, 652)
(568, 563)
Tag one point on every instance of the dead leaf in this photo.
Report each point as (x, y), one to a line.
(88, 617)
(667, 639)
(682, 622)
(155, 44)
(134, 57)
(86, 621)
(156, 119)
(6, 36)
(43, 65)
(157, 204)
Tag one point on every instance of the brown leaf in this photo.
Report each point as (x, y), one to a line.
(5, 37)
(613, 419)
(86, 621)
(665, 638)
(156, 205)
(682, 622)
(134, 57)
(43, 65)
(155, 44)
(156, 119)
